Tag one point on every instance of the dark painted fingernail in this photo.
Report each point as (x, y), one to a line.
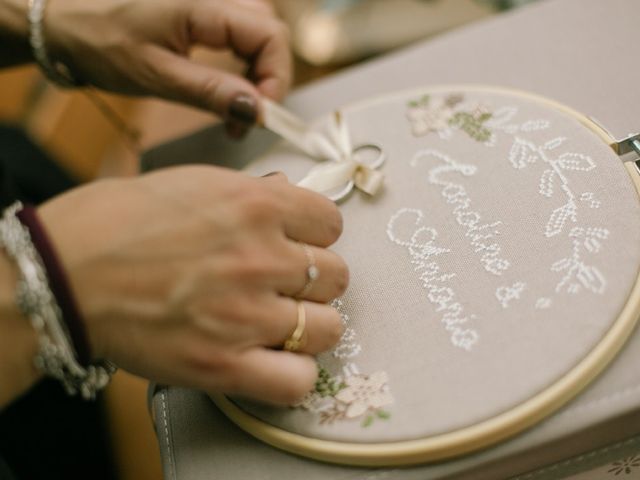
(236, 130)
(243, 110)
(271, 174)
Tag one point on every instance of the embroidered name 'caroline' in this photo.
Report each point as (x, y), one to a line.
(480, 236)
(405, 228)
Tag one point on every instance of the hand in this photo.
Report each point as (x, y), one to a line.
(186, 277)
(141, 47)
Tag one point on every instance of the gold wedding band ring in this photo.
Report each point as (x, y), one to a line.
(294, 342)
(312, 271)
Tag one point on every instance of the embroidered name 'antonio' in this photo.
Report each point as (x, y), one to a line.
(480, 236)
(419, 241)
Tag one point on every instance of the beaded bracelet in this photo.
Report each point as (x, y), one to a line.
(56, 356)
(57, 72)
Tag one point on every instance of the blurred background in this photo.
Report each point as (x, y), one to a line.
(90, 135)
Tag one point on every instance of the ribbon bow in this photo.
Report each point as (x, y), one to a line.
(347, 166)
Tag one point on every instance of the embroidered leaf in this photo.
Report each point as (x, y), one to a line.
(522, 153)
(559, 218)
(546, 183)
(576, 161)
(561, 265)
(413, 104)
(534, 125)
(591, 279)
(472, 125)
(368, 421)
(592, 244)
(484, 117)
(383, 414)
(502, 116)
(602, 233)
(555, 143)
(573, 288)
(453, 100)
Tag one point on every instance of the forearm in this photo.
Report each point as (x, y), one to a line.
(18, 341)
(14, 31)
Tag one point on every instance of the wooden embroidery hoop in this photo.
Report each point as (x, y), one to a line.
(488, 432)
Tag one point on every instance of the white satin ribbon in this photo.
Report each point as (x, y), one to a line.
(330, 142)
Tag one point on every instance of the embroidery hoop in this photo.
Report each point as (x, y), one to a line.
(487, 432)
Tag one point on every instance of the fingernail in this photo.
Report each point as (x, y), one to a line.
(236, 130)
(271, 174)
(243, 110)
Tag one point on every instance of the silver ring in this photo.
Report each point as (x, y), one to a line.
(312, 271)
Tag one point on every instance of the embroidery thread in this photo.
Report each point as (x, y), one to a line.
(482, 236)
(577, 274)
(421, 247)
(445, 114)
(356, 396)
(507, 293)
(350, 395)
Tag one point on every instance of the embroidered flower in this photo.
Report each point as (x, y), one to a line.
(364, 393)
(442, 115)
(432, 115)
(334, 399)
(473, 123)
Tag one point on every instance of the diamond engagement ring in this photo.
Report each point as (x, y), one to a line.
(312, 271)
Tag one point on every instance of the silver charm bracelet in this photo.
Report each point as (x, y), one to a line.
(54, 71)
(56, 357)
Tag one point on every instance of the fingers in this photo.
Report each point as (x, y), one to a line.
(177, 78)
(332, 274)
(260, 39)
(271, 376)
(308, 216)
(322, 331)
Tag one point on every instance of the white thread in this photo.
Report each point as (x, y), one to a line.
(554, 143)
(507, 293)
(578, 274)
(524, 152)
(590, 198)
(543, 303)
(439, 294)
(456, 194)
(534, 125)
(350, 369)
(347, 346)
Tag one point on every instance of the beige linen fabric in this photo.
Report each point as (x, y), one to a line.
(529, 238)
(584, 63)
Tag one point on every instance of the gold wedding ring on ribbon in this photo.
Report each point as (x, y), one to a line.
(295, 340)
(312, 271)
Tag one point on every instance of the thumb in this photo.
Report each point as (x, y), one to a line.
(178, 78)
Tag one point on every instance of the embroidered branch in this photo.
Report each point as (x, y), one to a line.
(577, 274)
